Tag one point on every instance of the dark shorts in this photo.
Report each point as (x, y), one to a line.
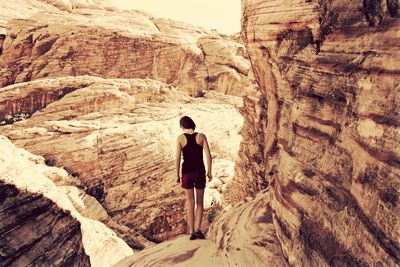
(194, 179)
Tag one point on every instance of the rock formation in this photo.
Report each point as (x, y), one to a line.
(39, 222)
(117, 138)
(250, 176)
(114, 136)
(118, 44)
(329, 71)
(2, 37)
(52, 236)
(322, 139)
(317, 178)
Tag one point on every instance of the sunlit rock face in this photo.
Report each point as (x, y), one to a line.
(227, 64)
(47, 41)
(22, 9)
(40, 221)
(117, 137)
(329, 71)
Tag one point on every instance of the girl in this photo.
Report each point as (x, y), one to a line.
(191, 144)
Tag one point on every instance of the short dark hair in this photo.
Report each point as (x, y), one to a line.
(187, 123)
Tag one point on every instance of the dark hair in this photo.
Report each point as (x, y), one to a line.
(187, 123)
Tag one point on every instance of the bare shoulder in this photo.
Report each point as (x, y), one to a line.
(201, 137)
(180, 138)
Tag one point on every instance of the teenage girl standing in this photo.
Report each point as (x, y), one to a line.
(191, 145)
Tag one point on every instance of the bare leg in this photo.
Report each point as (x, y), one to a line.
(200, 207)
(190, 208)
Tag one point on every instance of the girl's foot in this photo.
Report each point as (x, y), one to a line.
(193, 236)
(200, 234)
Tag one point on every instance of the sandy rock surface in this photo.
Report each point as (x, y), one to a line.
(244, 236)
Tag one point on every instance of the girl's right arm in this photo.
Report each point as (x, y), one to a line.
(178, 159)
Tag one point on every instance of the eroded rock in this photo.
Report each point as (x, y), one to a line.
(120, 44)
(34, 231)
(331, 141)
(118, 137)
(40, 224)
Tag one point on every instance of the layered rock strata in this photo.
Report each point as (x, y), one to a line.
(120, 44)
(329, 71)
(40, 224)
(117, 137)
(250, 176)
(43, 233)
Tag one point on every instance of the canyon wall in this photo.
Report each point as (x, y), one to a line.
(330, 74)
(250, 176)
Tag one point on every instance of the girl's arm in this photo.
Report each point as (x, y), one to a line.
(178, 159)
(208, 156)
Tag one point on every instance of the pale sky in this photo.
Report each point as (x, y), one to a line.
(223, 15)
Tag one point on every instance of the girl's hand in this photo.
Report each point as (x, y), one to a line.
(209, 175)
(178, 179)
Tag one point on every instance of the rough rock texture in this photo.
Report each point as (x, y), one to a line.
(68, 5)
(118, 138)
(23, 9)
(250, 176)
(227, 64)
(39, 222)
(329, 71)
(234, 240)
(246, 235)
(120, 44)
(34, 231)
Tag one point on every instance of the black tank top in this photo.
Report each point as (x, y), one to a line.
(192, 155)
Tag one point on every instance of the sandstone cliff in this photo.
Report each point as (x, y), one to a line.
(52, 236)
(46, 41)
(40, 224)
(329, 71)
